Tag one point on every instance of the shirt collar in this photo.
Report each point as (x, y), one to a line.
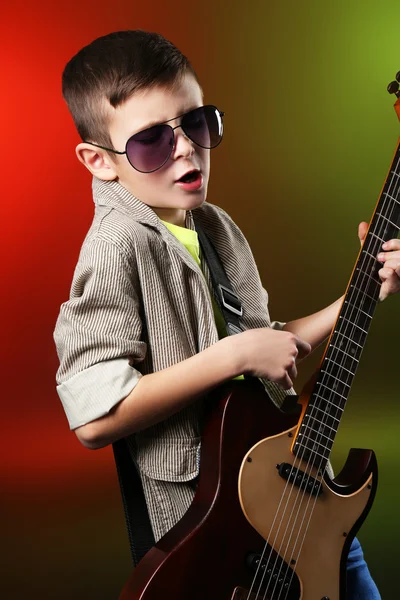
(113, 194)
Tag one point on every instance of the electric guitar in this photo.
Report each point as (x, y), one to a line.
(267, 521)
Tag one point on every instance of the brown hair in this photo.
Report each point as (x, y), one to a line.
(112, 68)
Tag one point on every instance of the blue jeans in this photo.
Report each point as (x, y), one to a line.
(360, 585)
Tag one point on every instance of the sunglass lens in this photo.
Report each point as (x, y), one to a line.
(148, 150)
(204, 126)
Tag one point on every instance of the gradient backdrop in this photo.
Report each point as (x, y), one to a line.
(310, 133)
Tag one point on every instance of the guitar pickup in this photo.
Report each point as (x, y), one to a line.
(300, 479)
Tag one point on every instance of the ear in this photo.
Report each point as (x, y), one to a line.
(97, 161)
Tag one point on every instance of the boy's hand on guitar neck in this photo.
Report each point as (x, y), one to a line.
(389, 256)
(271, 354)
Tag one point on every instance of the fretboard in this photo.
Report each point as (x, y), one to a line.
(328, 399)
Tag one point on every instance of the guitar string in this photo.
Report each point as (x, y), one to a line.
(316, 498)
(278, 509)
(364, 254)
(306, 476)
(367, 240)
(360, 274)
(265, 548)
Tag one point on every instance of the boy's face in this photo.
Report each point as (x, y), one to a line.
(159, 189)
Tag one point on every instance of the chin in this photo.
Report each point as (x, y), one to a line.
(196, 201)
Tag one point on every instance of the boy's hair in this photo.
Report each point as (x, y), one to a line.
(112, 68)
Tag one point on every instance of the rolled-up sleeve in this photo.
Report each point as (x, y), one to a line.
(98, 334)
(278, 325)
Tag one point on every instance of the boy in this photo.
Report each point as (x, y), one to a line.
(141, 340)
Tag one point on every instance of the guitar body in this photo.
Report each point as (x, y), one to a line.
(211, 552)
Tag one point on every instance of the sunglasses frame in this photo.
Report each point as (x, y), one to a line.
(221, 114)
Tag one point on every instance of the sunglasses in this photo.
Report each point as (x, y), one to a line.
(148, 150)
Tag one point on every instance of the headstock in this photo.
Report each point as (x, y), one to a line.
(393, 88)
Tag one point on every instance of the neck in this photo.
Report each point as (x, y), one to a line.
(171, 215)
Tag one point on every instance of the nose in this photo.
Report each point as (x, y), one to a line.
(183, 145)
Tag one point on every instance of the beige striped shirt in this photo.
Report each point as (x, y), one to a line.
(140, 303)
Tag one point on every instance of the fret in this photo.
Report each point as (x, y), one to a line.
(369, 265)
(363, 299)
(357, 308)
(340, 366)
(353, 332)
(333, 391)
(335, 384)
(344, 360)
(368, 260)
(395, 173)
(347, 338)
(386, 230)
(323, 425)
(320, 404)
(314, 443)
(318, 433)
(311, 451)
(323, 371)
(386, 219)
(351, 323)
(391, 197)
(376, 236)
(343, 352)
(371, 287)
(363, 292)
(373, 245)
(331, 433)
(370, 276)
(327, 414)
(327, 401)
(321, 422)
(341, 362)
(370, 255)
(352, 314)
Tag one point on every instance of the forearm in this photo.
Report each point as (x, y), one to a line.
(315, 328)
(159, 395)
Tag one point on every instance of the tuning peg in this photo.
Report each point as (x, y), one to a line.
(393, 87)
(398, 76)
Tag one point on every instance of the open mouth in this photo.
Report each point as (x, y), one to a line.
(189, 177)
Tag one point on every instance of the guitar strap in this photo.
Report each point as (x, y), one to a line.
(140, 532)
(228, 301)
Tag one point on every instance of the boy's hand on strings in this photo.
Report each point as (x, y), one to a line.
(271, 354)
(389, 256)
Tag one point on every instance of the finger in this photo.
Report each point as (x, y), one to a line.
(391, 285)
(387, 273)
(392, 244)
(362, 231)
(303, 347)
(292, 372)
(286, 383)
(393, 263)
(383, 257)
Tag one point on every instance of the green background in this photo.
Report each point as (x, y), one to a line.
(310, 133)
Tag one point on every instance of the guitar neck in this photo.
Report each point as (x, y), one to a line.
(322, 416)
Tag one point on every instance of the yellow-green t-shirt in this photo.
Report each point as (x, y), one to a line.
(190, 240)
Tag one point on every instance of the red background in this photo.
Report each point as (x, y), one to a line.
(63, 526)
